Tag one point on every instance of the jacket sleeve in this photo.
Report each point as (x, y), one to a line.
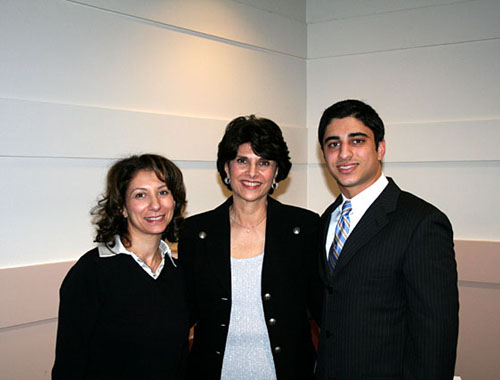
(78, 311)
(315, 291)
(187, 251)
(430, 275)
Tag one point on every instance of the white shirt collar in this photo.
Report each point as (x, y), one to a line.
(360, 203)
(107, 251)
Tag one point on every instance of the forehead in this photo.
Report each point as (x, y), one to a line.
(145, 177)
(342, 128)
(245, 149)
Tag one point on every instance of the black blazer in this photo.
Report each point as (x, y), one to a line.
(391, 305)
(290, 287)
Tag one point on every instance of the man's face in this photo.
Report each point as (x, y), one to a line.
(351, 156)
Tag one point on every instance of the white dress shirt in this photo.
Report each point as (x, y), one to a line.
(360, 203)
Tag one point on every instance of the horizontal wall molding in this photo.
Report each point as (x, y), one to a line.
(41, 129)
(405, 29)
(440, 141)
(225, 20)
(31, 293)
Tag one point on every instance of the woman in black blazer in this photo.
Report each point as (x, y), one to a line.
(251, 267)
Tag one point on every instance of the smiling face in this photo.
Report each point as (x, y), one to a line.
(351, 156)
(251, 175)
(149, 205)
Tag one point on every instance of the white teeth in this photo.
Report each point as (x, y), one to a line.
(154, 218)
(346, 167)
(250, 183)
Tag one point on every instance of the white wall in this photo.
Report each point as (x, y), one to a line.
(84, 83)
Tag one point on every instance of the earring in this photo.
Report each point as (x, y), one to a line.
(274, 185)
(227, 180)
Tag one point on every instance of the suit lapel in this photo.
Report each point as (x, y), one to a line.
(374, 219)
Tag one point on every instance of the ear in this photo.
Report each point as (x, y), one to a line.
(275, 174)
(226, 169)
(381, 150)
(124, 212)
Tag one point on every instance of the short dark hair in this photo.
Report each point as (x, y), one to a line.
(107, 214)
(354, 108)
(264, 136)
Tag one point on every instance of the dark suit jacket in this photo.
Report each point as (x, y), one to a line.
(290, 287)
(391, 304)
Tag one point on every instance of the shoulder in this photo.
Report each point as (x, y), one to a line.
(83, 272)
(292, 214)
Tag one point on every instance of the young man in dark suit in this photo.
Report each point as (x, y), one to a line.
(388, 265)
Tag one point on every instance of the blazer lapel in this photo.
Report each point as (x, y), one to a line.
(374, 219)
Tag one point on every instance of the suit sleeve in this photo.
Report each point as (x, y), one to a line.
(431, 286)
(78, 311)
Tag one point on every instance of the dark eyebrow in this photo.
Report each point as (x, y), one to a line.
(350, 135)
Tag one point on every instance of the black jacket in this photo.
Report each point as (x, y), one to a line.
(290, 287)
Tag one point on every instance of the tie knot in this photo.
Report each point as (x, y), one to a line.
(346, 208)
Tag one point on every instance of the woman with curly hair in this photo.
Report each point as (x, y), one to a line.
(122, 312)
(251, 267)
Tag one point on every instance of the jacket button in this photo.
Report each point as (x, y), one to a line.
(202, 235)
(217, 352)
(267, 297)
(296, 230)
(272, 321)
(277, 349)
(222, 325)
(224, 298)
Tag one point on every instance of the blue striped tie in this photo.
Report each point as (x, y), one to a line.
(341, 233)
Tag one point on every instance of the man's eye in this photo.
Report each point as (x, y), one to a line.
(333, 144)
(357, 141)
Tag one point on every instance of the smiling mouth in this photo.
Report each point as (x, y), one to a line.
(155, 218)
(250, 183)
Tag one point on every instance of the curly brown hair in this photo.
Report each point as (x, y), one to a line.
(107, 214)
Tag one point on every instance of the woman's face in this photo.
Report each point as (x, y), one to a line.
(251, 175)
(149, 205)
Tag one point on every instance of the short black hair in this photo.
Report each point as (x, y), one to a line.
(354, 108)
(264, 136)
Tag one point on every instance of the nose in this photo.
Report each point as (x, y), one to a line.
(252, 169)
(345, 152)
(155, 203)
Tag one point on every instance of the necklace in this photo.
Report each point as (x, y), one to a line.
(248, 228)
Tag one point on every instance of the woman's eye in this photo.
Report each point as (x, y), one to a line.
(265, 163)
(241, 160)
(139, 195)
(164, 192)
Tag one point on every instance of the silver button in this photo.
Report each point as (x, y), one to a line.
(272, 321)
(222, 325)
(202, 235)
(296, 230)
(277, 349)
(223, 299)
(267, 297)
(218, 352)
